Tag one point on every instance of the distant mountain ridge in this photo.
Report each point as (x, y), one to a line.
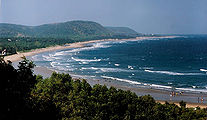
(71, 29)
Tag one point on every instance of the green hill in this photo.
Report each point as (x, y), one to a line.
(71, 29)
(122, 30)
(12, 30)
(22, 38)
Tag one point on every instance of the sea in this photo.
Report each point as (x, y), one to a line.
(178, 63)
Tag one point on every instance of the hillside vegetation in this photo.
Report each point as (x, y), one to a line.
(71, 29)
(122, 31)
(15, 38)
(25, 96)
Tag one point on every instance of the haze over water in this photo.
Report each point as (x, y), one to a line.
(166, 63)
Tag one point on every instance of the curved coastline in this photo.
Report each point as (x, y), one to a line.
(17, 57)
(156, 93)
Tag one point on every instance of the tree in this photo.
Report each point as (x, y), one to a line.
(182, 104)
(15, 88)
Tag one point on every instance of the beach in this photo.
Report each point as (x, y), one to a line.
(159, 95)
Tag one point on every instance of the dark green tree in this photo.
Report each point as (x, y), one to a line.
(15, 88)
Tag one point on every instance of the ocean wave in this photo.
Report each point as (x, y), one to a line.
(94, 46)
(155, 85)
(172, 73)
(83, 63)
(192, 89)
(90, 68)
(61, 66)
(144, 68)
(106, 69)
(130, 67)
(86, 60)
(50, 57)
(122, 42)
(36, 58)
(61, 53)
(53, 64)
(114, 70)
(160, 86)
(122, 80)
(203, 70)
(136, 83)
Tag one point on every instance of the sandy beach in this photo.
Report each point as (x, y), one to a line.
(159, 95)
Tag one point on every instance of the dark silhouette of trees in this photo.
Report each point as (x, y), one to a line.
(76, 99)
(15, 88)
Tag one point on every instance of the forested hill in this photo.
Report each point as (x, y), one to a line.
(122, 30)
(71, 29)
(15, 38)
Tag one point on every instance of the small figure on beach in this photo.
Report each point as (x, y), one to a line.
(170, 94)
(202, 99)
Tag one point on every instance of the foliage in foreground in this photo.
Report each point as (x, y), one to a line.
(15, 88)
(27, 96)
(76, 99)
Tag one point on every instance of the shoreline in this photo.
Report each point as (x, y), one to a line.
(155, 93)
(17, 57)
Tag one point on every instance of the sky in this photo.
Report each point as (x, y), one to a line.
(144, 16)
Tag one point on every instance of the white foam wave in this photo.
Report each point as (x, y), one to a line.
(94, 46)
(154, 85)
(130, 67)
(50, 57)
(86, 60)
(122, 41)
(106, 69)
(172, 73)
(60, 66)
(192, 89)
(83, 63)
(53, 64)
(61, 53)
(35, 58)
(114, 70)
(146, 68)
(90, 68)
(122, 80)
(203, 70)
(160, 86)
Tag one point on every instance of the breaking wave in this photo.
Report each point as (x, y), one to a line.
(172, 73)
(122, 80)
(106, 69)
(94, 46)
(85, 60)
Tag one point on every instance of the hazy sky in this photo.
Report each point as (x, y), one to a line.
(145, 16)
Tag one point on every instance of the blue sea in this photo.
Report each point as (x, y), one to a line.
(178, 63)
